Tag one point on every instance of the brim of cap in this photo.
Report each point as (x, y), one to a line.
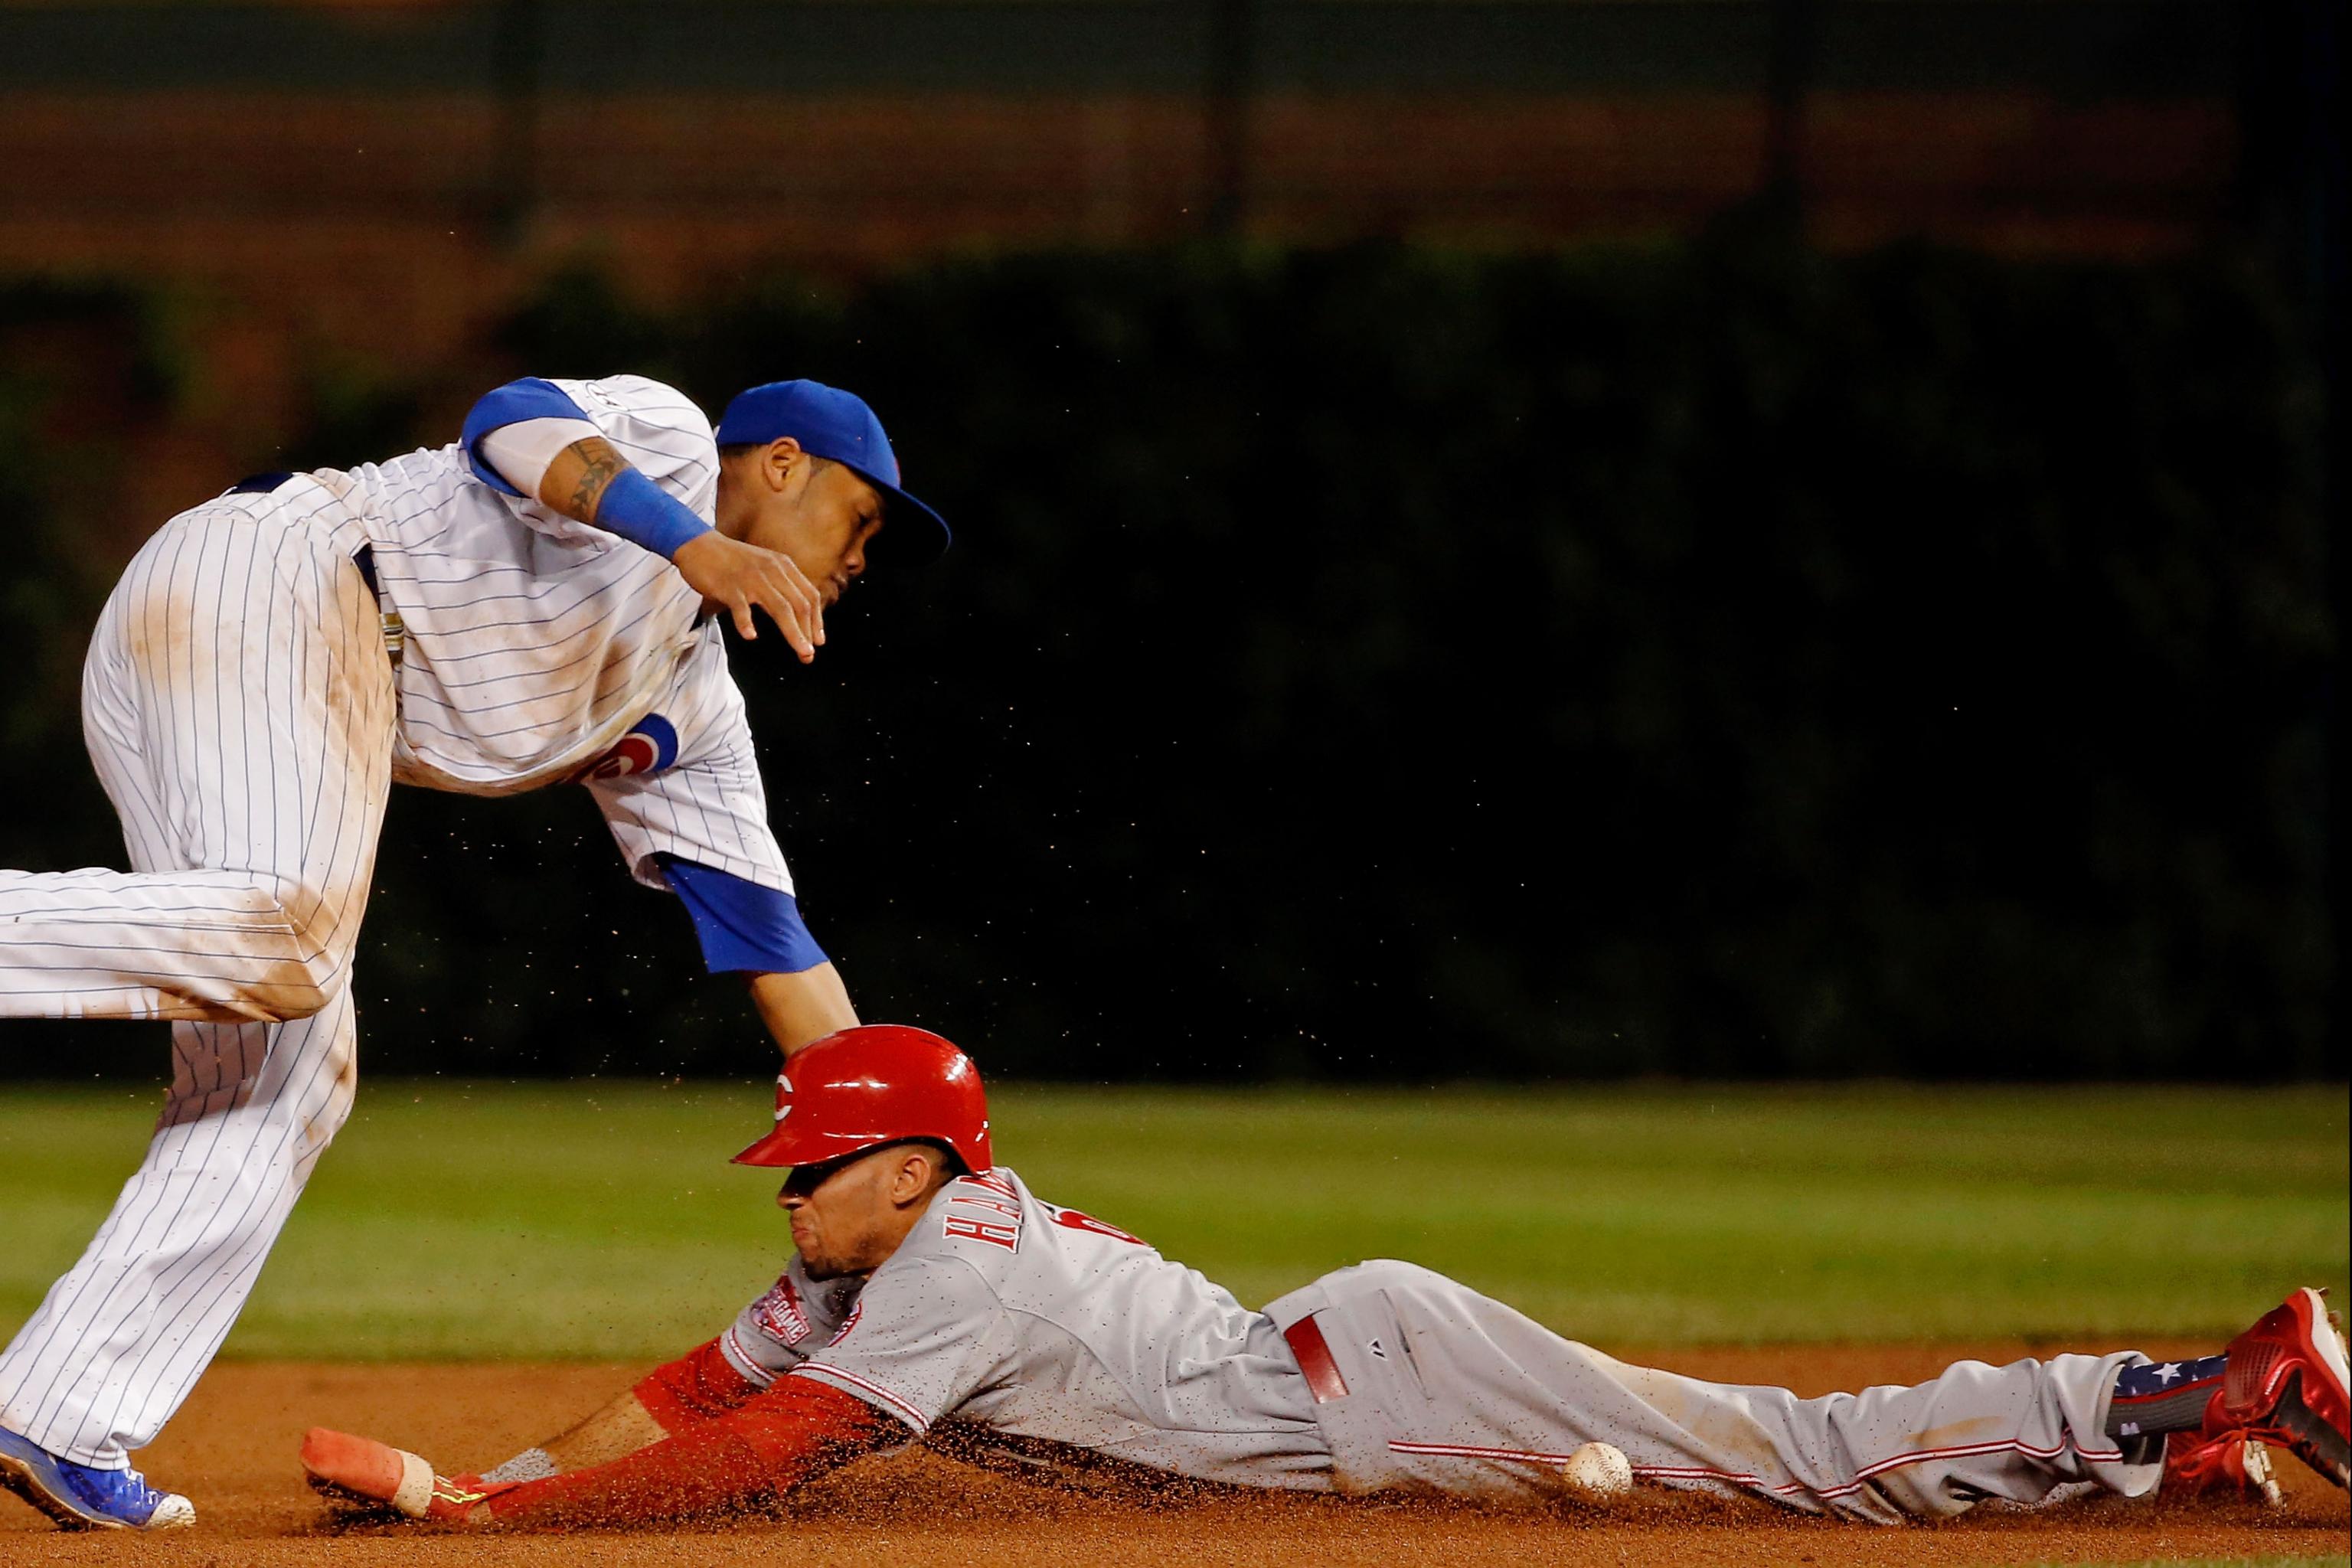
(918, 545)
(790, 1145)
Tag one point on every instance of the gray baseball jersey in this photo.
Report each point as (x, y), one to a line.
(1039, 1329)
(1042, 1331)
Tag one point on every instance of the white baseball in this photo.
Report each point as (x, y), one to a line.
(1598, 1472)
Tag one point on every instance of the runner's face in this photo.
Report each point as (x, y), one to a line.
(848, 1214)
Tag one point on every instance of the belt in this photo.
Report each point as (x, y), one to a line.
(1314, 1354)
(396, 635)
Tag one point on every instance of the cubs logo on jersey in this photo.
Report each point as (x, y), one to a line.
(647, 748)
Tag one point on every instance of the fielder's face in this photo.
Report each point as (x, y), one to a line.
(821, 514)
(850, 1214)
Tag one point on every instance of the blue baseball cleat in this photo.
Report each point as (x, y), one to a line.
(80, 1497)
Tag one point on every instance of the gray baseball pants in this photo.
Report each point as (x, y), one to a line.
(1450, 1392)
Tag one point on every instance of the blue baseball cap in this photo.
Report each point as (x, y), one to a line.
(830, 422)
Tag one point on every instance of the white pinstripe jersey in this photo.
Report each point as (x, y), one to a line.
(1038, 1331)
(535, 644)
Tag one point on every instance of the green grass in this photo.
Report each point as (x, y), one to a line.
(602, 1220)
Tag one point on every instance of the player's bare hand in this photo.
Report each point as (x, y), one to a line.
(744, 578)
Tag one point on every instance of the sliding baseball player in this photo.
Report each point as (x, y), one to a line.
(538, 603)
(934, 1297)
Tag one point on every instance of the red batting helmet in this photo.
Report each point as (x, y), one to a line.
(875, 1084)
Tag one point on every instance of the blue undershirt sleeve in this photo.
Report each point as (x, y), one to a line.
(743, 926)
(530, 398)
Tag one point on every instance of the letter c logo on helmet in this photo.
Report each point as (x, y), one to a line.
(872, 1085)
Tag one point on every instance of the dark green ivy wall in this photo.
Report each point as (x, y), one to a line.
(1712, 660)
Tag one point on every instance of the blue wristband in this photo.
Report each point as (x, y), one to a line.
(642, 513)
(744, 927)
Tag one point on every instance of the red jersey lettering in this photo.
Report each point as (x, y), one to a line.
(996, 1233)
(1071, 1219)
(994, 1184)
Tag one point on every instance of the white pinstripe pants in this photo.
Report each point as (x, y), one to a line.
(237, 703)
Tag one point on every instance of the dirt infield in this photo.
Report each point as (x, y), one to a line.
(233, 1450)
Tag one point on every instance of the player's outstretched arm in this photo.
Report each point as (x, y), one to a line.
(698, 1386)
(756, 932)
(611, 1432)
(590, 482)
(792, 1433)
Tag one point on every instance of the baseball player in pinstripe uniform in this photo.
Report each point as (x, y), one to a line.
(933, 1295)
(538, 603)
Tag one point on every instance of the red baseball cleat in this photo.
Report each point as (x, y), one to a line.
(2287, 1384)
(2232, 1463)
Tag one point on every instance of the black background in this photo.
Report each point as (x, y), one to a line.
(1707, 657)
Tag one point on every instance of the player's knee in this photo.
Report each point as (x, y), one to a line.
(303, 962)
(300, 988)
(284, 997)
(292, 988)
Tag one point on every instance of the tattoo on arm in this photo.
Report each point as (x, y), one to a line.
(575, 482)
(601, 465)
